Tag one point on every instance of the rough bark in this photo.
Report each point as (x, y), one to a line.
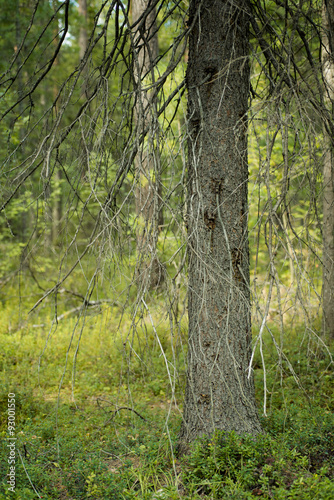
(328, 190)
(148, 209)
(219, 394)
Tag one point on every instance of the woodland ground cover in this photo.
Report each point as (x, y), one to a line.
(97, 196)
(107, 426)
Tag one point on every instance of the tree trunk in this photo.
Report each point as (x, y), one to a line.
(83, 36)
(219, 394)
(24, 222)
(54, 195)
(148, 190)
(328, 190)
(83, 44)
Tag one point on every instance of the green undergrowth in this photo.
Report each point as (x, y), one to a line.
(87, 451)
(96, 417)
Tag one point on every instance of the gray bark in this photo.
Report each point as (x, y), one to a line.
(328, 190)
(219, 394)
(147, 163)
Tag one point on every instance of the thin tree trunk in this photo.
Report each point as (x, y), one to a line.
(219, 394)
(328, 190)
(57, 208)
(83, 36)
(83, 44)
(148, 190)
(25, 214)
(54, 194)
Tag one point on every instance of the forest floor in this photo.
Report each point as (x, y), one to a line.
(106, 426)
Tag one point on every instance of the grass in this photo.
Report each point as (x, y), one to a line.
(112, 433)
